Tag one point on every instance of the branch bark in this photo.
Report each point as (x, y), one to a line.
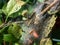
(51, 5)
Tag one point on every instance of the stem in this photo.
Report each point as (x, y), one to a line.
(45, 10)
(10, 43)
(51, 5)
(9, 23)
(6, 19)
(4, 43)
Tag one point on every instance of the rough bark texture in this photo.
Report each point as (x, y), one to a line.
(42, 22)
(46, 30)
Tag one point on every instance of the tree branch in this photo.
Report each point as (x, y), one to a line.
(51, 5)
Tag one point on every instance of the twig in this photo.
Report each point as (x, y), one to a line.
(2, 25)
(51, 5)
(9, 23)
(10, 43)
(4, 43)
(46, 9)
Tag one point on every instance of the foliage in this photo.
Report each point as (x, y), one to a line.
(13, 13)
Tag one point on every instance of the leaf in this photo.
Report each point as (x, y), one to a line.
(0, 21)
(15, 30)
(31, 8)
(58, 43)
(13, 6)
(1, 37)
(16, 44)
(34, 44)
(2, 2)
(0, 11)
(1, 18)
(41, 1)
(7, 37)
(4, 29)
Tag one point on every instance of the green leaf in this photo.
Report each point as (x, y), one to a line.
(2, 2)
(4, 29)
(31, 8)
(0, 21)
(13, 6)
(16, 44)
(41, 1)
(1, 38)
(0, 11)
(34, 43)
(1, 16)
(7, 37)
(58, 43)
(15, 29)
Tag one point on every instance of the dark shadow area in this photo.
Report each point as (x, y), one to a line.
(55, 33)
